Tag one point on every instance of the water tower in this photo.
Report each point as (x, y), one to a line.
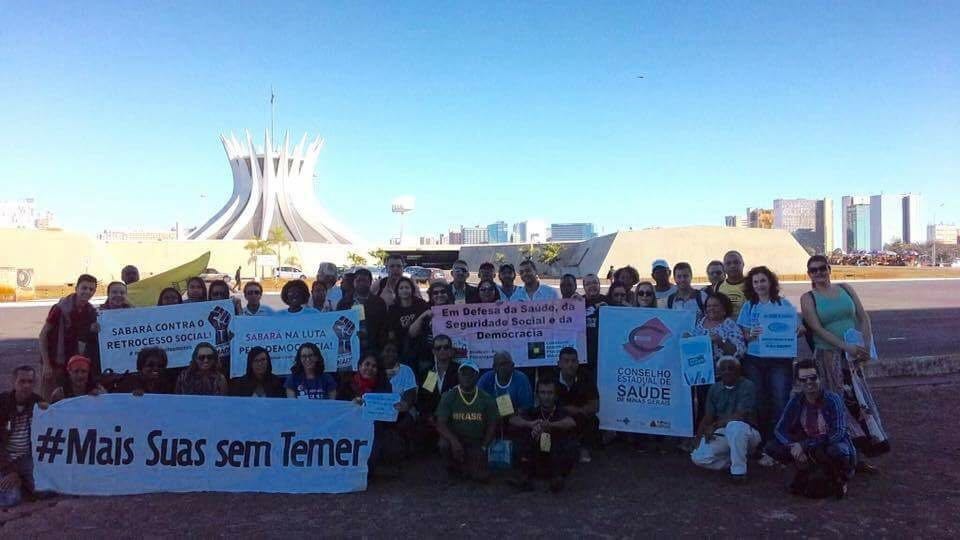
(402, 205)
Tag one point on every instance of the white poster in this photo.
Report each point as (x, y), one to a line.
(176, 329)
(639, 375)
(334, 332)
(696, 360)
(119, 444)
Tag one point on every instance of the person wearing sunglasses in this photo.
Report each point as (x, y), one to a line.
(814, 431)
(253, 293)
(421, 330)
(830, 312)
(716, 275)
(432, 383)
(463, 292)
(487, 292)
(202, 377)
(645, 294)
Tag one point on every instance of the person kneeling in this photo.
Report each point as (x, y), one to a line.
(466, 422)
(16, 460)
(812, 435)
(549, 448)
(727, 434)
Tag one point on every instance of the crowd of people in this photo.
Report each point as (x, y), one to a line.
(815, 415)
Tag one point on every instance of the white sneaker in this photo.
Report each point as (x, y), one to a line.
(766, 461)
(585, 455)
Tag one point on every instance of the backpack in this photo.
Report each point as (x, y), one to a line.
(697, 295)
(815, 482)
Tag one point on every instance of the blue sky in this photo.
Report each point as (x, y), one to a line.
(483, 110)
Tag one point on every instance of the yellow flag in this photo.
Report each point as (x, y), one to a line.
(146, 291)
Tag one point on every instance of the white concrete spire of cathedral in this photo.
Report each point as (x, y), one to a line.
(273, 189)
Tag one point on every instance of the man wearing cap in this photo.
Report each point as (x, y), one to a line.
(507, 276)
(327, 273)
(467, 422)
(728, 433)
(661, 276)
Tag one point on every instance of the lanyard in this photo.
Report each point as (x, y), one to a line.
(496, 382)
(476, 393)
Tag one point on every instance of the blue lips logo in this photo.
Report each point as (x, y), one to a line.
(778, 327)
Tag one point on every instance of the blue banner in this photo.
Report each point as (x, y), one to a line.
(639, 375)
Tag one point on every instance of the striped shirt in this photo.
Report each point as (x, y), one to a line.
(18, 444)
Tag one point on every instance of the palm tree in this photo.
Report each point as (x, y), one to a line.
(257, 247)
(277, 238)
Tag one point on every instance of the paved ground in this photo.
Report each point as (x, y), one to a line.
(620, 494)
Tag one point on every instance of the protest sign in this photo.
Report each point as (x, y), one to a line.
(779, 336)
(334, 332)
(638, 373)
(855, 337)
(177, 329)
(377, 406)
(696, 360)
(532, 332)
(119, 444)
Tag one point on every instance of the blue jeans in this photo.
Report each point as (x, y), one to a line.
(773, 380)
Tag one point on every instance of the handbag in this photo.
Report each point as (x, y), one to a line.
(500, 454)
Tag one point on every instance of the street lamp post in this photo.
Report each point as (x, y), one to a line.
(934, 251)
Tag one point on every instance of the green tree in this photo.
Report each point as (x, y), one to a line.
(380, 255)
(277, 238)
(499, 258)
(356, 259)
(550, 253)
(529, 251)
(292, 260)
(257, 247)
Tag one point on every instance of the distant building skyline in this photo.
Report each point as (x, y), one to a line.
(809, 220)
(562, 232)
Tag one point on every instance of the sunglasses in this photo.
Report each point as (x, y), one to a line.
(442, 347)
(817, 269)
(810, 378)
(644, 293)
(206, 356)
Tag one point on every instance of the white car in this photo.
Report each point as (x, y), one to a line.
(288, 272)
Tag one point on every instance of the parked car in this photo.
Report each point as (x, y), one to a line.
(420, 274)
(378, 272)
(211, 274)
(288, 272)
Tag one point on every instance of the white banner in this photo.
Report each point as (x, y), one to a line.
(532, 332)
(119, 444)
(177, 329)
(696, 360)
(639, 376)
(334, 332)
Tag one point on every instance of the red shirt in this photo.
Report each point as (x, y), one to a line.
(78, 330)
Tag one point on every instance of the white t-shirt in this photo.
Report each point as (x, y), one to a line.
(306, 310)
(543, 292)
(750, 316)
(690, 305)
(403, 380)
(264, 311)
(662, 295)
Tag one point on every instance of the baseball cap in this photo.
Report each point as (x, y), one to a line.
(660, 263)
(469, 364)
